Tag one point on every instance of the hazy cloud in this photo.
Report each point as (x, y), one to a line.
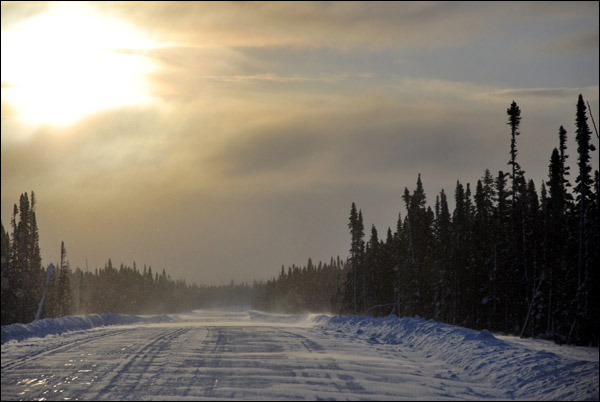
(16, 11)
(550, 93)
(343, 25)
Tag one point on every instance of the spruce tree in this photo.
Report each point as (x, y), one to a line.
(419, 222)
(372, 265)
(64, 285)
(356, 253)
(8, 296)
(533, 238)
(387, 275)
(514, 120)
(361, 274)
(400, 263)
(584, 181)
(22, 273)
(458, 269)
(564, 168)
(580, 327)
(443, 247)
(556, 235)
(502, 255)
(484, 241)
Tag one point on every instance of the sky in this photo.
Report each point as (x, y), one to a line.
(221, 141)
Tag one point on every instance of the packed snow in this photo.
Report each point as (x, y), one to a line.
(245, 354)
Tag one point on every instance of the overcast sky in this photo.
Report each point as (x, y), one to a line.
(222, 140)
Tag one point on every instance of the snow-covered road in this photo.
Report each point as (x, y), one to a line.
(249, 355)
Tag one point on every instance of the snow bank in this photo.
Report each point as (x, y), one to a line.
(479, 355)
(55, 326)
(284, 318)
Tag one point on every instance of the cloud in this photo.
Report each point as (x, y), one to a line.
(340, 25)
(580, 41)
(336, 25)
(16, 11)
(294, 78)
(368, 138)
(548, 94)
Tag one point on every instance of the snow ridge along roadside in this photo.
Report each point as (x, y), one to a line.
(56, 326)
(531, 373)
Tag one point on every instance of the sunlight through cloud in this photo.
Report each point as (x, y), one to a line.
(69, 62)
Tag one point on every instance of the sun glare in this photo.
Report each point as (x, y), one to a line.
(71, 61)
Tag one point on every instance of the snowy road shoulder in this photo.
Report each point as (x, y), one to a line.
(217, 354)
(525, 368)
(57, 326)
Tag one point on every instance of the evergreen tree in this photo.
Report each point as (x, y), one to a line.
(533, 273)
(520, 259)
(518, 245)
(442, 249)
(419, 226)
(64, 285)
(484, 242)
(584, 181)
(353, 287)
(8, 296)
(556, 236)
(580, 327)
(503, 272)
(24, 274)
(372, 265)
(400, 256)
(594, 278)
(387, 275)
(514, 120)
(459, 286)
(564, 168)
(18, 274)
(361, 271)
(560, 287)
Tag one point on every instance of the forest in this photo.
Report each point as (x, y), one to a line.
(509, 258)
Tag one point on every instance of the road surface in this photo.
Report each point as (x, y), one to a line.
(227, 355)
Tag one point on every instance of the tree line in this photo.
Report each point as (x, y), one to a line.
(311, 288)
(124, 290)
(506, 258)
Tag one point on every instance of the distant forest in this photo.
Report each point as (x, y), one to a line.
(507, 258)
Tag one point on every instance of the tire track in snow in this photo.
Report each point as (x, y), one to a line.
(237, 363)
(348, 382)
(132, 369)
(64, 346)
(210, 383)
(214, 361)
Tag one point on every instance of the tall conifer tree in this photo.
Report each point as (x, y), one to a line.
(580, 327)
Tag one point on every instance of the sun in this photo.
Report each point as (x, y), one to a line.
(72, 61)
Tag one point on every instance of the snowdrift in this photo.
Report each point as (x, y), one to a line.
(481, 356)
(56, 326)
(284, 318)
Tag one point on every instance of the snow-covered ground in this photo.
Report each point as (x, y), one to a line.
(229, 354)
